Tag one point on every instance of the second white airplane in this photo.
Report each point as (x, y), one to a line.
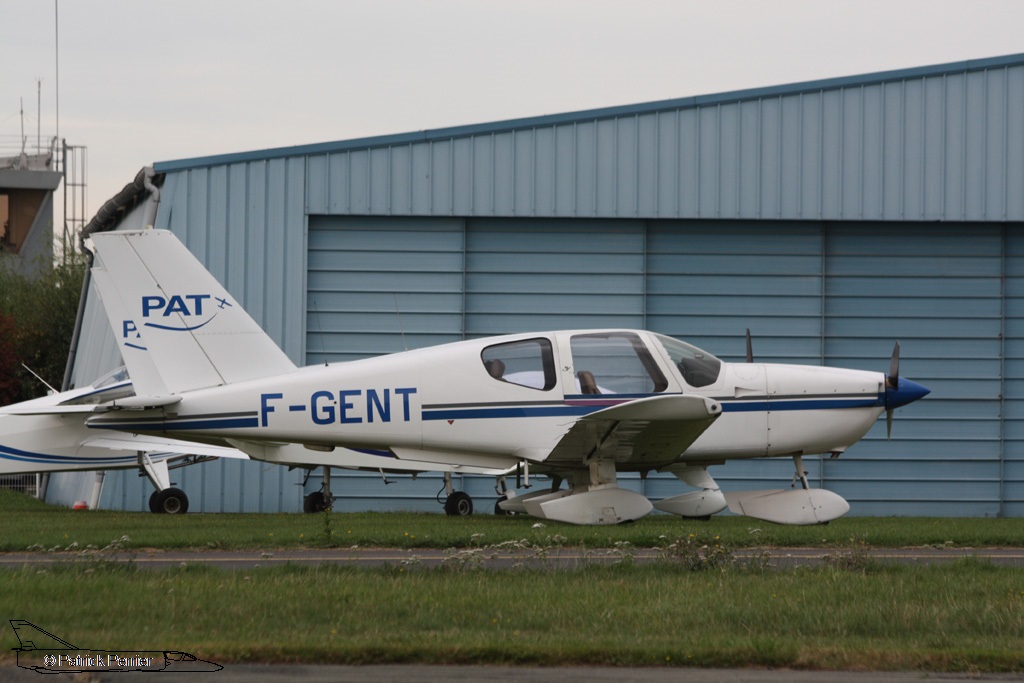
(580, 405)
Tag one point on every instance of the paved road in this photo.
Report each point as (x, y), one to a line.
(256, 673)
(566, 558)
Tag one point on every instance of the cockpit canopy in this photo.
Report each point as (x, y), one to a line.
(699, 368)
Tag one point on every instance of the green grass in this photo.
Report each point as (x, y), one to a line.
(31, 524)
(965, 616)
(852, 613)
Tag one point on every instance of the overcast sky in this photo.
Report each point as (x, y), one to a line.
(142, 82)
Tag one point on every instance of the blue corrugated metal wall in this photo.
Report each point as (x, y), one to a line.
(797, 211)
(815, 293)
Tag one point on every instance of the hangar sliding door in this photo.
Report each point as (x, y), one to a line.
(937, 288)
(535, 275)
(381, 285)
(810, 292)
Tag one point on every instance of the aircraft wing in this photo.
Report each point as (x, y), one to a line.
(651, 431)
(156, 444)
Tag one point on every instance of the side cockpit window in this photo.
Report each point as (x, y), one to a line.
(528, 363)
(615, 363)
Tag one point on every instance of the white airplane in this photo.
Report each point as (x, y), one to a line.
(580, 405)
(48, 434)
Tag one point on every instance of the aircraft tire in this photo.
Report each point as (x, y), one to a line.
(499, 512)
(152, 502)
(315, 502)
(459, 504)
(171, 501)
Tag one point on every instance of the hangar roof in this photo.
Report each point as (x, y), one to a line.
(815, 86)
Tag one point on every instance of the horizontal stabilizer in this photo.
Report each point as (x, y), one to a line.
(41, 409)
(142, 402)
(796, 506)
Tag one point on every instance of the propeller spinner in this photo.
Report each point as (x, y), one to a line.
(899, 392)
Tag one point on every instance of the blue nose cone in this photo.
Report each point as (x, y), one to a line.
(906, 392)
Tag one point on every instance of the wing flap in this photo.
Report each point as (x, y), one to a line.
(651, 431)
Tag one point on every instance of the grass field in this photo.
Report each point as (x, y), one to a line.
(29, 523)
(857, 614)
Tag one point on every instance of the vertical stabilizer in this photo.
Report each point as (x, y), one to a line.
(32, 637)
(161, 300)
(146, 378)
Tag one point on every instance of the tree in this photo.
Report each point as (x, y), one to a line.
(41, 312)
(10, 383)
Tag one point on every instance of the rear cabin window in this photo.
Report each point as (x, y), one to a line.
(615, 363)
(527, 363)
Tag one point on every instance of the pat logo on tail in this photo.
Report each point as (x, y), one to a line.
(191, 307)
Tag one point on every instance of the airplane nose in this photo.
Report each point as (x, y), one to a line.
(907, 391)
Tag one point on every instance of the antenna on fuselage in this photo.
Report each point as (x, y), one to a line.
(320, 329)
(39, 378)
(750, 348)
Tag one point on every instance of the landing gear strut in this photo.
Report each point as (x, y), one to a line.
(457, 503)
(800, 474)
(165, 499)
(321, 500)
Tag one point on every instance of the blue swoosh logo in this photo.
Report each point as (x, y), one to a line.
(180, 329)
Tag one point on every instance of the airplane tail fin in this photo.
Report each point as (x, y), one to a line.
(162, 302)
(32, 637)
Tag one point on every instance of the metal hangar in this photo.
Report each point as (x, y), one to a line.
(830, 217)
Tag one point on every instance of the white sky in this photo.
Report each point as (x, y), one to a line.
(144, 81)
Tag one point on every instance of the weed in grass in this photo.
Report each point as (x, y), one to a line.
(697, 552)
(853, 556)
(624, 553)
(327, 530)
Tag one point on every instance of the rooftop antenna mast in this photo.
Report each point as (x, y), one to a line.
(39, 113)
(56, 62)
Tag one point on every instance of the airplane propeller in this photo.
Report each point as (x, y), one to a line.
(899, 392)
(892, 381)
(750, 348)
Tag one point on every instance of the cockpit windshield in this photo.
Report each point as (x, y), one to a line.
(118, 376)
(699, 368)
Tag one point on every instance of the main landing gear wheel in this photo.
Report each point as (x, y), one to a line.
(170, 501)
(315, 502)
(459, 504)
(502, 513)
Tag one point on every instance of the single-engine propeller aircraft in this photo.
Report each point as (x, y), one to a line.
(45, 653)
(580, 405)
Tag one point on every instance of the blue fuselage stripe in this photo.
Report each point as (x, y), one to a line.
(180, 425)
(468, 412)
(18, 455)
